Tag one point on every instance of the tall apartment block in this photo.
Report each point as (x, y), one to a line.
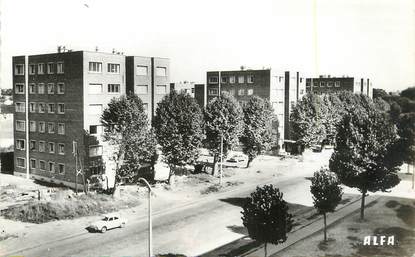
(328, 84)
(282, 89)
(67, 92)
(149, 78)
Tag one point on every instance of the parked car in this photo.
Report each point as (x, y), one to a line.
(316, 148)
(109, 221)
(236, 158)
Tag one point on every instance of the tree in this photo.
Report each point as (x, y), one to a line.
(365, 156)
(327, 193)
(266, 216)
(257, 133)
(179, 129)
(223, 119)
(379, 93)
(409, 93)
(126, 130)
(406, 131)
(307, 120)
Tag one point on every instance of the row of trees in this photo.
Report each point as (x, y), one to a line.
(181, 127)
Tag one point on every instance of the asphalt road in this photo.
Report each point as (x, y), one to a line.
(191, 230)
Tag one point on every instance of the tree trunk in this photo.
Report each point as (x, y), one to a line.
(325, 227)
(171, 173)
(413, 175)
(215, 161)
(248, 163)
(265, 249)
(362, 206)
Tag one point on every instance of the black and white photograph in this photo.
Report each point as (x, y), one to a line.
(207, 128)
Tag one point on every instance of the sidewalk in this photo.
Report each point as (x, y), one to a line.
(310, 229)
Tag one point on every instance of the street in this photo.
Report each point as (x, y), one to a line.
(191, 230)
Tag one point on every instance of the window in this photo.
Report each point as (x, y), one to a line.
(232, 92)
(41, 88)
(41, 107)
(337, 84)
(51, 127)
(61, 88)
(59, 67)
(93, 129)
(61, 128)
(61, 108)
(213, 91)
(21, 162)
(32, 69)
(51, 108)
(20, 144)
(19, 88)
(32, 126)
(224, 79)
(20, 107)
(19, 69)
(95, 109)
(61, 149)
(42, 165)
(95, 150)
(32, 89)
(32, 107)
(113, 68)
(20, 125)
(51, 88)
(315, 83)
(145, 107)
(322, 83)
(51, 147)
(32, 145)
(41, 146)
(232, 79)
(32, 163)
(213, 80)
(95, 67)
(113, 88)
(141, 89)
(250, 79)
(241, 79)
(61, 168)
(50, 68)
(161, 89)
(330, 84)
(41, 126)
(250, 91)
(142, 70)
(161, 71)
(41, 68)
(241, 92)
(95, 89)
(51, 167)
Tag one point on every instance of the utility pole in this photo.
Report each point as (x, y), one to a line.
(150, 230)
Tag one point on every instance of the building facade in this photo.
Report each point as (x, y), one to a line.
(184, 87)
(328, 84)
(282, 89)
(66, 94)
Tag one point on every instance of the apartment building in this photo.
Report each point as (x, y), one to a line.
(282, 89)
(328, 84)
(149, 78)
(184, 87)
(67, 92)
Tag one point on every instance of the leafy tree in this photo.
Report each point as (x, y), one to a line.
(327, 193)
(382, 105)
(266, 216)
(179, 129)
(126, 130)
(257, 133)
(223, 118)
(409, 93)
(379, 93)
(406, 131)
(365, 155)
(307, 120)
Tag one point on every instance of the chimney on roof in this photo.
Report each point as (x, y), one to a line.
(96, 49)
(242, 67)
(59, 49)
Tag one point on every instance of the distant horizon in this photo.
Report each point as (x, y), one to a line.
(373, 39)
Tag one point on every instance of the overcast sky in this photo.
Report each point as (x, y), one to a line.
(370, 38)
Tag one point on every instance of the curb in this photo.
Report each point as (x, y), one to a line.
(142, 218)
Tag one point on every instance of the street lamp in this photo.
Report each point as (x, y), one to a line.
(150, 232)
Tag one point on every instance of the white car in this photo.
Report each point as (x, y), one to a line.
(108, 222)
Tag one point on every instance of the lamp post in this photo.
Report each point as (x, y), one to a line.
(150, 232)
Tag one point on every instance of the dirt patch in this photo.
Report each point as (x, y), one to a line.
(324, 245)
(391, 204)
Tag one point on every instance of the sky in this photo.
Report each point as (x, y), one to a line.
(365, 38)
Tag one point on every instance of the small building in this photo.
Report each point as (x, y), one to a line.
(184, 87)
(328, 84)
